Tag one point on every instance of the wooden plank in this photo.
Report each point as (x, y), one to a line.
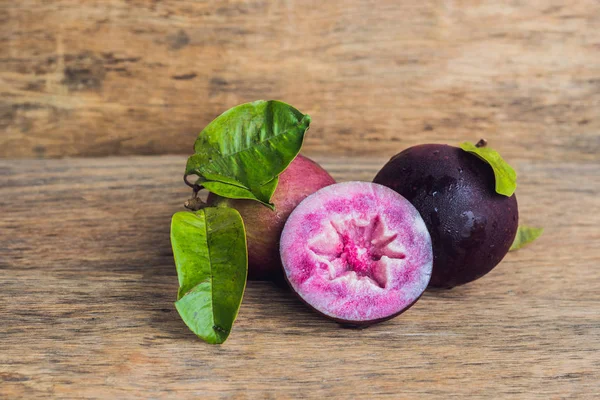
(87, 285)
(95, 78)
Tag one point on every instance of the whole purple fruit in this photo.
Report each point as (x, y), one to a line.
(471, 226)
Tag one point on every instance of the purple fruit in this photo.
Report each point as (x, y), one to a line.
(356, 252)
(263, 226)
(471, 226)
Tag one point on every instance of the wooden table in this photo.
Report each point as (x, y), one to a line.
(87, 284)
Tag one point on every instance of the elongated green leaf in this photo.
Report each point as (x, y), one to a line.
(525, 235)
(209, 247)
(505, 175)
(247, 147)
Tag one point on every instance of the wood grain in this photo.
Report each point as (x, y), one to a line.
(119, 77)
(87, 285)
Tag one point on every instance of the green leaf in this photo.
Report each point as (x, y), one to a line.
(236, 192)
(505, 175)
(525, 235)
(247, 147)
(209, 247)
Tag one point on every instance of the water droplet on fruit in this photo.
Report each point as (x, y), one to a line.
(468, 226)
(435, 219)
(436, 152)
(460, 170)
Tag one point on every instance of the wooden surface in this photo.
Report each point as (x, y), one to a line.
(87, 284)
(95, 78)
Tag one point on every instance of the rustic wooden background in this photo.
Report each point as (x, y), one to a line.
(87, 280)
(119, 77)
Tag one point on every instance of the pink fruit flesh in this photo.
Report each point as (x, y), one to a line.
(357, 252)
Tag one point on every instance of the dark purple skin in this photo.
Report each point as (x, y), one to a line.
(471, 226)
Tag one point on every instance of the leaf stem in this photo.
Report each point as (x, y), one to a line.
(194, 186)
(195, 203)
